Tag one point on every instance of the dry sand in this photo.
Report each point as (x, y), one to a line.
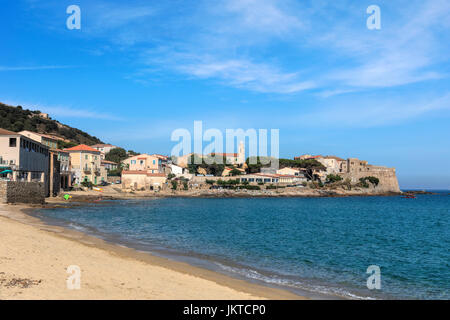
(34, 258)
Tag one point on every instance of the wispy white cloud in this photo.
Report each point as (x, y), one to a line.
(377, 112)
(259, 77)
(265, 45)
(405, 51)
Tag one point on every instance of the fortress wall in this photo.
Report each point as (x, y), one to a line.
(388, 179)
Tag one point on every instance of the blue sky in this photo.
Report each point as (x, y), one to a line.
(137, 70)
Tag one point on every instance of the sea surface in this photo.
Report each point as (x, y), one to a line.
(320, 247)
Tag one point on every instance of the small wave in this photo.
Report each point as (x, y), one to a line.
(275, 280)
(77, 227)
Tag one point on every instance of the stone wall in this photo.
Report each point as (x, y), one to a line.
(388, 179)
(22, 192)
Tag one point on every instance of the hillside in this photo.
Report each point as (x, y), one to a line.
(17, 119)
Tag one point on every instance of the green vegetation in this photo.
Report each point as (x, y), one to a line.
(115, 172)
(87, 184)
(170, 176)
(332, 178)
(116, 155)
(373, 180)
(250, 187)
(235, 172)
(309, 165)
(185, 185)
(174, 184)
(208, 164)
(131, 153)
(17, 119)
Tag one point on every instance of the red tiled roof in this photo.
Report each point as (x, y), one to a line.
(82, 147)
(5, 132)
(107, 161)
(160, 156)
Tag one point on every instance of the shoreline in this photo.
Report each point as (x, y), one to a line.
(113, 194)
(193, 282)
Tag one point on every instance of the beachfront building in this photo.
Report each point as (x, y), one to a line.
(22, 158)
(268, 178)
(259, 178)
(142, 180)
(45, 139)
(65, 171)
(288, 171)
(86, 165)
(144, 162)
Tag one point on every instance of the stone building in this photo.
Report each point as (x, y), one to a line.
(354, 169)
(142, 180)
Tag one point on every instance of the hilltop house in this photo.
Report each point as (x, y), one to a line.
(45, 139)
(86, 164)
(104, 149)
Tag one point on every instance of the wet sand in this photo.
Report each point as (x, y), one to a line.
(34, 258)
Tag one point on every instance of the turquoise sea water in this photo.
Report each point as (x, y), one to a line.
(308, 245)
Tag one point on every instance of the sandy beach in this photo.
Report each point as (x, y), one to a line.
(34, 258)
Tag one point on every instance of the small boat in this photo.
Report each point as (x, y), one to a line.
(409, 196)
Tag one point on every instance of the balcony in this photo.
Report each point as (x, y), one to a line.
(87, 170)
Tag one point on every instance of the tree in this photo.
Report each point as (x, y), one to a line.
(116, 155)
(170, 176)
(131, 153)
(211, 166)
(235, 172)
(332, 178)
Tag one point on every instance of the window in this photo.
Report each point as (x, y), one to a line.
(154, 161)
(133, 161)
(12, 142)
(141, 162)
(86, 157)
